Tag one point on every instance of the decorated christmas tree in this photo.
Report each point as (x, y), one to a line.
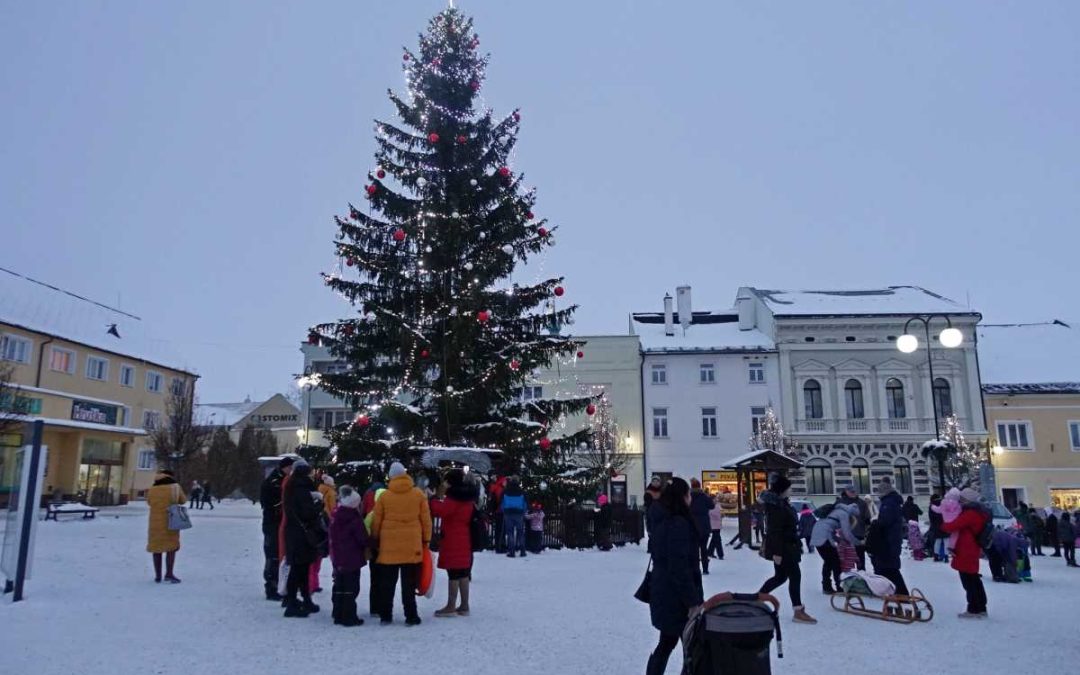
(771, 436)
(443, 337)
(961, 459)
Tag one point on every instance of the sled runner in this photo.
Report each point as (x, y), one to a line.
(895, 608)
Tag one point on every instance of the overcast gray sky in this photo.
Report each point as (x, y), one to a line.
(185, 159)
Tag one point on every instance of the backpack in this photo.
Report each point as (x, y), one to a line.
(824, 511)
(478, 531)
(985, 537)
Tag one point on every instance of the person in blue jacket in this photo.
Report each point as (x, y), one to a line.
(513, 510)
(675, 585)
(888, 540)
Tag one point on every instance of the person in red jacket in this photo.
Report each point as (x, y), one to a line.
(454, 504)
(969, 524)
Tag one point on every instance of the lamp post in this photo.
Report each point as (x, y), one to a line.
(950, 338)
(306, 382)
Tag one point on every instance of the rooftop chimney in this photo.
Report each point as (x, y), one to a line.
(669, 320)
(682, 295)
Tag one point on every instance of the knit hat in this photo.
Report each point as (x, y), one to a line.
(396, 469)
(349, 497)
(285, 462)
(601, 500)
(328, 479)
(780, 484)
(301, 468)
(969, 495)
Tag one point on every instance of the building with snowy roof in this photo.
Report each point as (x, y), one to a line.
(97, 379)
(276, 414)
(1031, 375)
(826, 361)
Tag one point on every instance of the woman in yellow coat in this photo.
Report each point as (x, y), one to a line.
(164, 493)
(402, 525)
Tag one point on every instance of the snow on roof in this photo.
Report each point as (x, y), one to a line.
(1029, 354)
(225, 414)
(37, 306)
(708, 332)
(880, 301)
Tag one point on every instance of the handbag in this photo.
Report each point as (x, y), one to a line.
(644, 591)
(178, 514)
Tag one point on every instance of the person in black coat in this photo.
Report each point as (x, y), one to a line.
(270, 500)
(886, 545)
(675, 590)
(1052, 534)
(782, 544)
(935, 534)
(303, 532)
(911, 510)
(700, 505)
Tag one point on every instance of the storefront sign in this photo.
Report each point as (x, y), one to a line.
(268, 419)
(98, 413)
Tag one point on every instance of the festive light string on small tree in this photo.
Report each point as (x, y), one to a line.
(771, 436)
(962, 459)
(431, 274)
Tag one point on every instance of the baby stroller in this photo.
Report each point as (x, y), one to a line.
(731, 636)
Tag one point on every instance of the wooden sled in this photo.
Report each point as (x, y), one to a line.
(904, 609)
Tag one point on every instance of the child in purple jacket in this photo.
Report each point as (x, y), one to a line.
(348, 549)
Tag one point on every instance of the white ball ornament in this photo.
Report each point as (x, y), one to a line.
(508, 249)
(449, 389)
(455, 214)
(483, 236)
(468, 266)
(421, 181)
(472, 182)
(428, 249)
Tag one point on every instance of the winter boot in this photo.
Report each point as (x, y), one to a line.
(294, 609)
(802, 617)
(972, 615)
(463, 586)
(827, 589)
(451, 601)
(310, 607)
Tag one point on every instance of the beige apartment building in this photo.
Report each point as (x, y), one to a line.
(89, 372)
(276, 414)
(1032, 397)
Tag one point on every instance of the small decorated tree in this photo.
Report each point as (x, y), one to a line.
(771, 436)
(961, 460)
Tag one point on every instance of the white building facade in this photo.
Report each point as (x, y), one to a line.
(859, 407)
(706, 383)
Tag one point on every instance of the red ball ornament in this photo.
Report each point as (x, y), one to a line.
(362, 420)
(545, 443)
(313, 338)
(405, 56)
(474, 85)
(529, 215)
(515, 364)
(424, 353)
(433, 137)
(517, 116)
(380, 173)
(371, 190)
(590, 409)
(350, 262)
(399, 235)
(559, 290)
(461, 140)
(436, 62)
(504, 171)
(347, 330)
(581, 355)
(482, 316)
(542, 232)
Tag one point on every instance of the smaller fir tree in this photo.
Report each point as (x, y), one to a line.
(962, 459)
(771, 436)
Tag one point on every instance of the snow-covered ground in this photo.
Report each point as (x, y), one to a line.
(92, 607)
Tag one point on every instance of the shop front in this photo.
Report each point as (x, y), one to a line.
(1066, 498)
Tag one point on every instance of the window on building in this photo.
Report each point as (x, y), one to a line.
(659, 423)
(530, 392)
(708, 422)
(708, 373)
(1074, 435)
(1014, 435)
(860, 476)
(943, 397)
(123, 417)
(151, 419)
(853, 398)
(147, 460)
(328, 419)
(902, 476)
(819, 478)
(659, 374)
(62, 360)
(97, 368)
(177, 386)
(329, 367)
(19, 405)
(15, 348)
(757, 373)
(812, 400)
(894, 399)
(153, 382)
(127, 375)
(757, 416)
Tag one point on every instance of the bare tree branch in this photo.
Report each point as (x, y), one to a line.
(181, 435)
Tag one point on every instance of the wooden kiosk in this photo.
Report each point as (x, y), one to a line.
(752, 471)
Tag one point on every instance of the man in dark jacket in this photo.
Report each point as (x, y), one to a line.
(888, 539)
(1052, 534)
(700, 505)
(1035, 535)
(270, 500)
(911, 510)
(848, 495)
(935, 533)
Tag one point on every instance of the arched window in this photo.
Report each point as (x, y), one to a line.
(819, 479)
(860, 476)
(853, 397)
(902, 476)
(943, 397)
(812, 400)
(894, 398)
